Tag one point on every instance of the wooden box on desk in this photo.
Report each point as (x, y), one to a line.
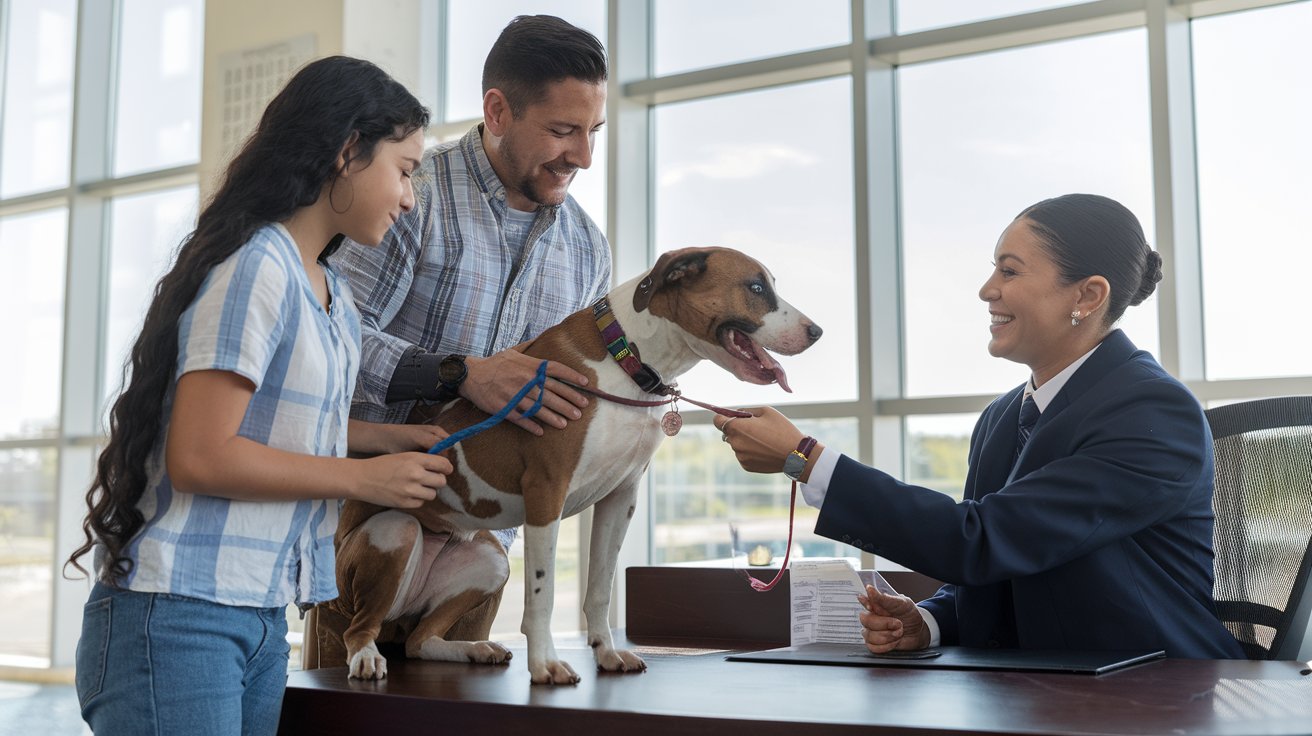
(715, 604)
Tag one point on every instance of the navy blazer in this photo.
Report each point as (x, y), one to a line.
(1100, 537)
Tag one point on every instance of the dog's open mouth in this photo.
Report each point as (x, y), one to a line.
(754, 363)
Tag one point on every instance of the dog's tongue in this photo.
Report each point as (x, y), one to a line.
(770, 364)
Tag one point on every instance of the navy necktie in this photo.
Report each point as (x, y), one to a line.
(1029, 416)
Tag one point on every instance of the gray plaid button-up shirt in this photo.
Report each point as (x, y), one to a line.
(445, 278)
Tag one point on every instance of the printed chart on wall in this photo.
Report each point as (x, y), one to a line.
(251, 77)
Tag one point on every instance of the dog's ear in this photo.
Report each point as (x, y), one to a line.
(670, 267)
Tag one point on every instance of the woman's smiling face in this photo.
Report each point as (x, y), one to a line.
(1029, 306)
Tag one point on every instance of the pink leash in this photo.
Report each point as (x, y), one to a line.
(759, 586)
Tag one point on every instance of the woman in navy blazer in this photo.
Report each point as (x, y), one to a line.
(1096, 531)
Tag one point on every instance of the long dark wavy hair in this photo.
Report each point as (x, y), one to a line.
(283, 166)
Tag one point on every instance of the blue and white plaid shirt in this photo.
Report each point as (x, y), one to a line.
(446, 279)
(257, 316)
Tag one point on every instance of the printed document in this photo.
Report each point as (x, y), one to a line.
(824, 604)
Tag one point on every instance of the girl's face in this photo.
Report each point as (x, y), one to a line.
(381, 189)
(1029, 307)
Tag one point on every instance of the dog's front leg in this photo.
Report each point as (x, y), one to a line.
(610, 522)
(544, 666)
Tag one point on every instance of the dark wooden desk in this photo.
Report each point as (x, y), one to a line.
(687, 692)
(703, 694)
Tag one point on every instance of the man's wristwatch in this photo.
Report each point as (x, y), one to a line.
(795, 463)
(451, 372)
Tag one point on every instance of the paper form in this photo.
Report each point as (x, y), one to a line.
(824, 605)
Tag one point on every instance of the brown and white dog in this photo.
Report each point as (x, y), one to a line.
(430, 566)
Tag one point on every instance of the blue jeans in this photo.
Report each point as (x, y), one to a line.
(153, 663)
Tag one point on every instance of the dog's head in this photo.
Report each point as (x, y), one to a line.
(726, 300)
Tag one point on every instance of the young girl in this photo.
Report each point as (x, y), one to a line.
(214, 502)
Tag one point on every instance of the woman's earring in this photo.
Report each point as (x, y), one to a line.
(332, 188)
(1075, 318)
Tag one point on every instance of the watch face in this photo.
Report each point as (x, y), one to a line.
(452, 369)
(794, 464)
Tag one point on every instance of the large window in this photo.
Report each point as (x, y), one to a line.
(870, 168)
(87, 224)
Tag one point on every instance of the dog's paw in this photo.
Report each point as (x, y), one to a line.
(619, 660)
(368, 664)
(553, 672)
(488, 652)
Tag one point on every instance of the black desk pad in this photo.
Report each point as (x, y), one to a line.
(855, 655)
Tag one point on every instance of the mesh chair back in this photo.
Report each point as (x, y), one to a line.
(1263, 505)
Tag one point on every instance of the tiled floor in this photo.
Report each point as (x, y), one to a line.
(48, 710)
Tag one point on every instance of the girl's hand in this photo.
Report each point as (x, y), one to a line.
(403, 481)
(372, 438)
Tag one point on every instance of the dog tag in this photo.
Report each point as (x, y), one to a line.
(671, 423)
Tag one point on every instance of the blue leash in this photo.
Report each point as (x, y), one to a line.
(540, 381)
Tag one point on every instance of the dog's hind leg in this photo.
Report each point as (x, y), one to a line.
(610, 522)
(375, 564)
(477, 624)
(461, 590)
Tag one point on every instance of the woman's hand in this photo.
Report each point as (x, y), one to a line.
(761, 441)
(891, 622)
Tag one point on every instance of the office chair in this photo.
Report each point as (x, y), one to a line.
(1263, 533)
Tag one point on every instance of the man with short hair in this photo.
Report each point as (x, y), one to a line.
(494, 251)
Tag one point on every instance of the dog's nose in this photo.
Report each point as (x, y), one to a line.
(814, 332)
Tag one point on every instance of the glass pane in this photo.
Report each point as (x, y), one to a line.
(472, 28)
(699, 490)
(937, 448)
(27, 548)
(145, 231)
(1254, 156)
(38, 96)
(982, 138)
(159, 84)
(917, 15)
(33, 248)
(780, 190)
(694, 34)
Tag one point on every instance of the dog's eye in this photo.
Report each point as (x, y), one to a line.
(756, 287)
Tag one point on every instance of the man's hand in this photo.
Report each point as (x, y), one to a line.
(493, 381)
(891, 622)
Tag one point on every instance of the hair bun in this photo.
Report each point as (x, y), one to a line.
(1152, 273)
